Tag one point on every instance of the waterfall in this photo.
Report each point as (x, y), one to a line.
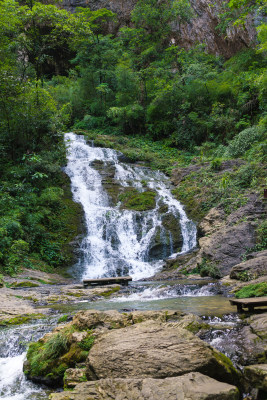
(122, 241)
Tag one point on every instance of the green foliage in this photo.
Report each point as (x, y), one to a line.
(253, 290)
(207, 268)
(244, 140)
(87, 343)
(63, 318)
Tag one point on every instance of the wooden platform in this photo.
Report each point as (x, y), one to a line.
(250, 303)
(122, 280)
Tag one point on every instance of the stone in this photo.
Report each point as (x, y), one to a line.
(192, 386)
(251, 269)
(227, 245)
(73, 376)
(212, 221)
(158, 350)
(92, 319)
(258, 324)
(256, 375)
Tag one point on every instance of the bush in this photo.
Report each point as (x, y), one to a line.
(243, 141)
(207, 268)
(254, 290)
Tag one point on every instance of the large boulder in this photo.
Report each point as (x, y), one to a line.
(251, 268)
(192, 386)
(158, 350)
(227, 245)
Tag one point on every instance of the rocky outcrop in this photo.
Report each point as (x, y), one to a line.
(154, 350)
(227, 245)
(252, 268)
(193, 386)
(202, 28)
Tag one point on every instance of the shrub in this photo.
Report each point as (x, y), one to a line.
(244, 140)
(216, 164)
(207, 268)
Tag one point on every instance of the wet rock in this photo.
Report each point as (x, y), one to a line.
(250, 269)
(193, 386)
(256, 375)
(155, 350)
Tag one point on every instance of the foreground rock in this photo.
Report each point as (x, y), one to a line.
(125, 345)
(192, 386)
(156, 350)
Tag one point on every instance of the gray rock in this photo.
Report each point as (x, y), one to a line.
(252, 268)
(73, 376)
(256, 375)
(227, 245)
(154, 350)
(192, 386)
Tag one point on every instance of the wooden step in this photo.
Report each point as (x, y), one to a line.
(250, 303)
(122, 280)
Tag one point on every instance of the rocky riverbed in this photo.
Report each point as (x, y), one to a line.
(145, 355)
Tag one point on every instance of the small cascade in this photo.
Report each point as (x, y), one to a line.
(122, 241)
(13, 343)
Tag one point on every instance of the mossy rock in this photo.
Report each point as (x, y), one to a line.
(132, 199)
(47, 360)
(21, 319)
(24, 284)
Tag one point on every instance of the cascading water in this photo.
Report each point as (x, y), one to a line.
(120, 242)
(13, 343)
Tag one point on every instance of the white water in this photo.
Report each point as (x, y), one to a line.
(13, 384)
(161, 293)
(120, 242)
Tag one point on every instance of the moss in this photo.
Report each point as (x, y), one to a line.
(21, 319)
(87, 342)
(63, 318)
(24, 284)
(195, 327)
(110, 292)
(252, 290)
(132, 199)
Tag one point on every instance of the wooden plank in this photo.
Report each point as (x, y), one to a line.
(123, 280)
(249, 303)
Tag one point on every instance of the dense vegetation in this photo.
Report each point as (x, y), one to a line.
(59, 70)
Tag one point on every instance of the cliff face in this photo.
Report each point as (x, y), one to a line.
(201, 29)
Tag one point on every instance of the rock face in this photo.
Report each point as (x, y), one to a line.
(200, 29)
(252, 268)
(154, 350)
(227, 245)
(192, 386)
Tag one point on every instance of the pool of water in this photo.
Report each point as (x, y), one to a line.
(200, 298)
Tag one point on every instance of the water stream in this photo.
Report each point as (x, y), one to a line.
(13, 345)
